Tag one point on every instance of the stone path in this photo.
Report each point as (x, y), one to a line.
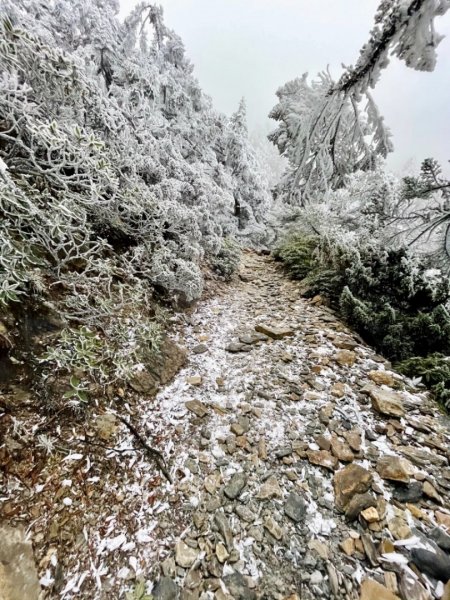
(302, 468)
(307, 468)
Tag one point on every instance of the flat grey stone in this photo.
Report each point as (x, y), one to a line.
(253, 338)
(238, 587)
(236, 347)
(435, 565)
(165, 589)
(284, 451)
(200, 349)
(235, 486)
(441, 538)
(408, 493)
(295, 507)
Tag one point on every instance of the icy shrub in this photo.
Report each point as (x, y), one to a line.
(127, 179)
(118, 356)
(227, 260)
(396, 334)
(298, 253)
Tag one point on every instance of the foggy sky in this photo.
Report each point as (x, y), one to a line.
(252, 47)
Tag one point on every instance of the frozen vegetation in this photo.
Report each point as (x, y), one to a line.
(118, 176)
(178, 418)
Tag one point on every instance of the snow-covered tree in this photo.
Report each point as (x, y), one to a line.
(427, 198)
(121, 123)
(113, 164)
(378, 205)
(403, 28)
(329, 129)
(251, 188)
(324, 137)
(273, 164)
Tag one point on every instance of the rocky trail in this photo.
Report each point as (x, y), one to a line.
(302, 467)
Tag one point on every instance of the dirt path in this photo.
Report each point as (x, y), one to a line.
(299, 465)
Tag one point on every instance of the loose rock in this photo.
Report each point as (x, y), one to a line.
(323, 459)
(443, 519)
(270, 489)
(387, 402)
(106, 426)
(345, 358)
(349, 481)
(273, 528)
(348, 546)
(235, 486)
(18, 575)
(341, 450)
(276, 333)
(382, 378)
(435, 565)
(165, 589)
(370, 515)
(441, 538)
(372, 590)
(409, 493)
(394, 468)
(198, 408)
(237, 586)
(224, 527)
(200, 349)
(221, 553)
(431, 492)
(357, 504)
(295, 507)
(236, 347)
(399, 528)
(184, 555)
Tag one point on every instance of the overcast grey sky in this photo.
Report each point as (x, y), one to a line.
(251, 47)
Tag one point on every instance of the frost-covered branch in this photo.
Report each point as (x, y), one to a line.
(329, 129)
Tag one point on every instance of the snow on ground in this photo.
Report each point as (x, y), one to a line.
(264, 410)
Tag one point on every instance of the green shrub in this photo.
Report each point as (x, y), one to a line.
(395, 333)
(386, 295)
(389, 299)
(435, 373)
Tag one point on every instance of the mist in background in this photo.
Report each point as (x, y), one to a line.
(252, 47)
